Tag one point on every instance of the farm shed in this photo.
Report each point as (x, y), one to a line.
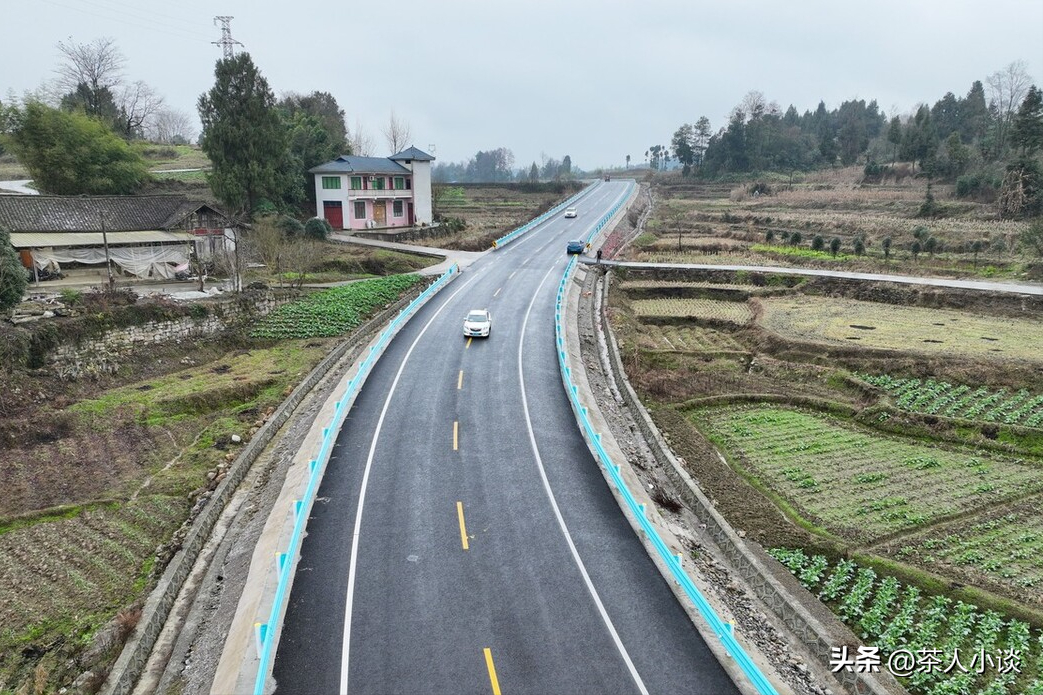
(147, 236)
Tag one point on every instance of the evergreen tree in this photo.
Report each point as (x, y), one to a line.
(243, 136)
(894, 136)
(973, 114)
(1027, 130)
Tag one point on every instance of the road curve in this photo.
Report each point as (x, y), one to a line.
(463, 539)
(979, 285)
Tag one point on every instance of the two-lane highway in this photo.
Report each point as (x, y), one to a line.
(464, 540)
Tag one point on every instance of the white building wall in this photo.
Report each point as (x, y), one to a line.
(422, 192)
(323, 194)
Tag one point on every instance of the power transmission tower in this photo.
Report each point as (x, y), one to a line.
(226, 41)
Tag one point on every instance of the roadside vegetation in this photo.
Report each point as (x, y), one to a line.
(103, 474)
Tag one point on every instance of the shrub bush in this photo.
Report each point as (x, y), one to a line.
(317, 228)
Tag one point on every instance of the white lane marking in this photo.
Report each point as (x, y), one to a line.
(557, 512)
(362, 493)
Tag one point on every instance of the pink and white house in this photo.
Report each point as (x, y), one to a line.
(369, 192)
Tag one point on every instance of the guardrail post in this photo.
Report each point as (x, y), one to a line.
(260, 633)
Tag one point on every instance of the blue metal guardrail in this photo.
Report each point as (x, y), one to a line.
(265, 632)
(721, 629)
(511, 236)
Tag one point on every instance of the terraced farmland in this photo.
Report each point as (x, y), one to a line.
(858, 485)
(685, 339)
(1000, 547)
(902, 328)
(50, 573)
(682, 308)
(932, 397)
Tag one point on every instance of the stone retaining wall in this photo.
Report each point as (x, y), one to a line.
(105, 353)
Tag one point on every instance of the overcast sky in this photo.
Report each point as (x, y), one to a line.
(596, 80)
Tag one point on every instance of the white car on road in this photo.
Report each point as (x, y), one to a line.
(478, 324)
(570, 212)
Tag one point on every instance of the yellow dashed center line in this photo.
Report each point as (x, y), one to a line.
(456, 435)
(460, 381)
(468, 343)
(492, 671)
(463, 528)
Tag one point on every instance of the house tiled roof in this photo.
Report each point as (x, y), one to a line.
(413, 154)
(43, 213)
(350, 164)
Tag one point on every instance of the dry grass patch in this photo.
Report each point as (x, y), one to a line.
(905, 329)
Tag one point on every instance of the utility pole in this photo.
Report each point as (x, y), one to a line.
(105, 241)
(227, 42)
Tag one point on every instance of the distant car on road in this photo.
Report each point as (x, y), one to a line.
(570, 212)
(575, 247)
(478, 324)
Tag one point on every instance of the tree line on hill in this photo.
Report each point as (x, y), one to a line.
(497, 166)
(988, 142)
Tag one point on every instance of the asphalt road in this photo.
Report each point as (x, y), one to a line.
(464, 540)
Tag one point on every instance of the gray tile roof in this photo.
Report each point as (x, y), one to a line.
(45, 213)
(413, 154)
(350, 164)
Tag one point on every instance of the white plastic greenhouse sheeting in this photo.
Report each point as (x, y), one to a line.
(143, 261)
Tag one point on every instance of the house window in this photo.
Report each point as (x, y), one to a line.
(409, 184)
(397, 208)
(400, 183)
(360, 209)
(330, 182)
(356, 183)
(378, 183)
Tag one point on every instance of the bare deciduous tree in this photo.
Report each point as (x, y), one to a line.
(361, 142)
(170, 127)
(139, 103)
(269, 244)
(302, 257)
(97, 67)
(396, 133)
(1007, 88)
(98, 64)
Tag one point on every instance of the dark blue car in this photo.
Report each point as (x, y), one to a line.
(575, 247)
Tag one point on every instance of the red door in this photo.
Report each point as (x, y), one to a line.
(334, 213)
(412, 220)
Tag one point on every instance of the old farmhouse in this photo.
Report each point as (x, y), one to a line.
(147, 236)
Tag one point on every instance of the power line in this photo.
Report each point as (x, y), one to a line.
(190, 25)
(154, 26)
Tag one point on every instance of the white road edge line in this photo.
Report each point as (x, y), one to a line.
(557, 512)
(362, 492)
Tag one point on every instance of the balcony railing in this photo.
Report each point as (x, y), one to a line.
(374, 194)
